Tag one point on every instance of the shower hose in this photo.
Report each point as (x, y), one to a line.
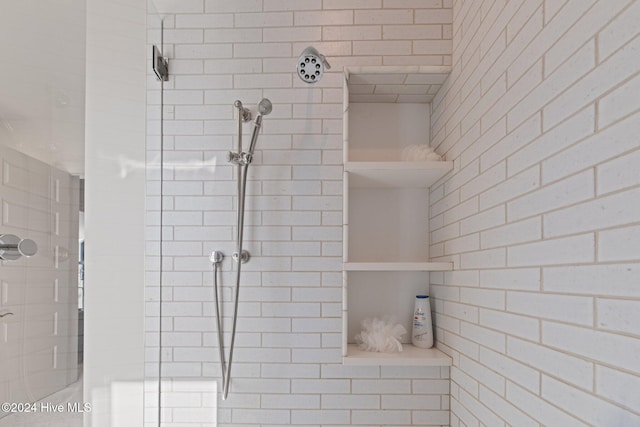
(225, 364)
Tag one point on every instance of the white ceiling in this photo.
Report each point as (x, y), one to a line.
(42, 79)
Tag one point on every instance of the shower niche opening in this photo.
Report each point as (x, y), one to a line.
(387, 180)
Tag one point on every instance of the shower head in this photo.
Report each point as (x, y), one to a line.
(311, 65)
(264, 107)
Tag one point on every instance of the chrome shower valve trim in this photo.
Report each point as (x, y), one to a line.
(13, 247)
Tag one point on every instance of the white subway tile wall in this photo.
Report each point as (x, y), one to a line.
(540, 215)
(540, 115)
(287, 364)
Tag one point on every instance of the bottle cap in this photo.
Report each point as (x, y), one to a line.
(422, 296)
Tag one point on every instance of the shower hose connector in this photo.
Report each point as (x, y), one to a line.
(216, 257)
(244, 258)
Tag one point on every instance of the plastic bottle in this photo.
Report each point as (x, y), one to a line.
(422, 334)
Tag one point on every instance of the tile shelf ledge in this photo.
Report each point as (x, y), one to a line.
(392, 174)
(397, 266)
(410, 356)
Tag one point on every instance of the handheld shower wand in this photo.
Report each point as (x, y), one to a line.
(264, 108)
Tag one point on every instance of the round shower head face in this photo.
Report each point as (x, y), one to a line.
(311, 65)
(264, 107)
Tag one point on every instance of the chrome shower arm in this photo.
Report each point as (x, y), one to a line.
(324, 61)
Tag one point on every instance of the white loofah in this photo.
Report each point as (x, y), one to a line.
(381, 335)
(419, 152)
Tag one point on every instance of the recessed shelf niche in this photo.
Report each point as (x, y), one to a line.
(386, 203)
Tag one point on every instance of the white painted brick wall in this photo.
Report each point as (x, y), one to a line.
(287, 364)
(540, 116)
